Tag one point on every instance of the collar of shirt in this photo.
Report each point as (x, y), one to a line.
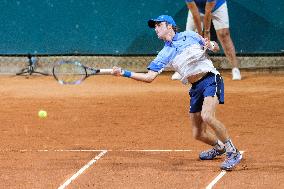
(170, 43)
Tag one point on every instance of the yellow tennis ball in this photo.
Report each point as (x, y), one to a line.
(42, 114)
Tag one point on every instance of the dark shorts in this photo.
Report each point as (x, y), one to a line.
(209, 85)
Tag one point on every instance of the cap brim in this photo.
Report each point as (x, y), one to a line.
(151, 23)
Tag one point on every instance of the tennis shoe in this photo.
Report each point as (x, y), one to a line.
(211, 154)
(176, 76)
(236, 74)
(231, 161)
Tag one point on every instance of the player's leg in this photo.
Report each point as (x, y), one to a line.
(199, 127)
(213, 96)
(200, 132)
(208, 116)
(220, 20)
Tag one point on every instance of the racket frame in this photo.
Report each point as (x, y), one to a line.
(89, 71)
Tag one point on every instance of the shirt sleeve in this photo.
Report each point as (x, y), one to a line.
(161, 61)
(210, 0)
(188, 1)
(196, 37)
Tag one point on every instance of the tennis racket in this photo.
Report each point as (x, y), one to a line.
(74, 73)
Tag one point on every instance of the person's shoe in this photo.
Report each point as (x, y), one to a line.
(211, 154)
(236, 74)
(231, 161)
(176, 76)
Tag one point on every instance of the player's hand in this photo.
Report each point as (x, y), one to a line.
(207, 43)
(117, 71)
(211, 45)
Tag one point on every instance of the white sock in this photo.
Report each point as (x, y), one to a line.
(230, 147)
(219, 145)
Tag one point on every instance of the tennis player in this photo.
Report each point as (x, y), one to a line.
(186, 53)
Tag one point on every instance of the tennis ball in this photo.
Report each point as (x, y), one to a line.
(42, 114)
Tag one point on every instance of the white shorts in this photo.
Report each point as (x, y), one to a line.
(220, 19)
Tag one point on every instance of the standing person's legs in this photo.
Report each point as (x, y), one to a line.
(190, 26)
(228, 46)
(229, 50)
(220, 20)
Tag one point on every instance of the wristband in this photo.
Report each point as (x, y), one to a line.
(127, 73)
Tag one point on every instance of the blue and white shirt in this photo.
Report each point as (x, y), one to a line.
(185, 54)
(201, 4)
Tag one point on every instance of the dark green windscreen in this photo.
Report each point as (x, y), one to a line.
(120, 27)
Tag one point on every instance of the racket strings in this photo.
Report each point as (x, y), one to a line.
(69, 72)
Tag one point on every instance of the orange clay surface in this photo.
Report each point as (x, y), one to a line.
(120, 114)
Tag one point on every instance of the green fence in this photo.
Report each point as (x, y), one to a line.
(120, 27)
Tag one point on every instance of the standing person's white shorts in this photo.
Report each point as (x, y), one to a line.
(220, 19)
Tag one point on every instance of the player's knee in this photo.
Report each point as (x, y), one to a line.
(207, 118)
(224, 33)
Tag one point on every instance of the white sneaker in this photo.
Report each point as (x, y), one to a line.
(236, 74)
(176, 76)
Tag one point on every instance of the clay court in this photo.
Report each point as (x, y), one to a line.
(118, 133)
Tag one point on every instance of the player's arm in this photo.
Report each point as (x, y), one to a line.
(146, 77)
(195, 14)
(155, 67)
(207, 17)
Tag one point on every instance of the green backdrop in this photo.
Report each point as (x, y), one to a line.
(120, 27)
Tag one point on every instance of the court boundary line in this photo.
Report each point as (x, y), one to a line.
(216, 179)
(94, 150)
(78, 173)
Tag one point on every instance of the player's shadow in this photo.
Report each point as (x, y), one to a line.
(160, 161)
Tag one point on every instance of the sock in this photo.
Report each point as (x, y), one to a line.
(230, 147)
(219, 145)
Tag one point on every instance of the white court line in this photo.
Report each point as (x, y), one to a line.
(93, 150)
(223, 172)
(82, 169)
(156, 150)
(62, 150)
(80, 150)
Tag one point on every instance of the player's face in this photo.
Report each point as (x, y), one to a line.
(162, 30)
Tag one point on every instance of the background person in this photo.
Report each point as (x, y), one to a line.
(200, 14)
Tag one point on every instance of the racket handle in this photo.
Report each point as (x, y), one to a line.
(105, 71)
